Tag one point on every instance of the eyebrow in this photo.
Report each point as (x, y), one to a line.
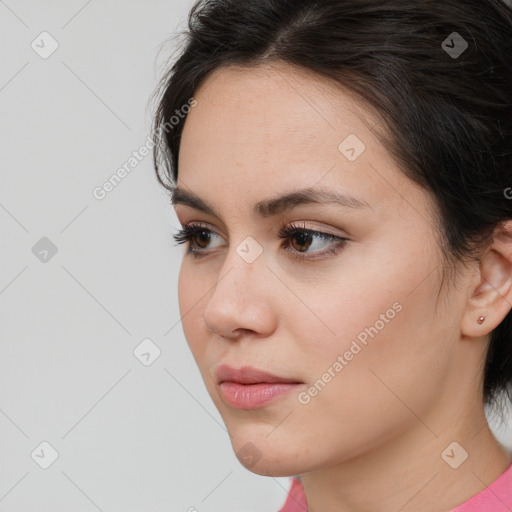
(275, 206)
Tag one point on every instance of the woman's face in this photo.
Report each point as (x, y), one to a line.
(358, 328)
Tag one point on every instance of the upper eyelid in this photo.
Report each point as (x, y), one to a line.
(190, 211)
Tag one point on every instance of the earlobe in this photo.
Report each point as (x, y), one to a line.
(491, 298)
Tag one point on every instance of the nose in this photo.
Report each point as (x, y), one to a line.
(242, 300)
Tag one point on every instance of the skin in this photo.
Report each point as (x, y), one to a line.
(372, 438)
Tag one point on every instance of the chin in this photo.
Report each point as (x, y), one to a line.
(276, 468)
(277, 457)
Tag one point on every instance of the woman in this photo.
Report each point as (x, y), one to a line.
(342, 172)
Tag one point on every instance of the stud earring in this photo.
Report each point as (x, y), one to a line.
(481, 320)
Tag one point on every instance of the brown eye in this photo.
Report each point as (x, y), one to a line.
(202, 237)
(303, 239)
(196, 236)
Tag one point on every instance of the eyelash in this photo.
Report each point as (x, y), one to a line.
(189, 231)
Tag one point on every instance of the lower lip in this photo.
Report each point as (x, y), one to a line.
(252, 396)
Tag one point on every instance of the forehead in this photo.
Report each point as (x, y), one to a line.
(258, 130)
(278, 103)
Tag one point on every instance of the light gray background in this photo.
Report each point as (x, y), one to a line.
(129, 437)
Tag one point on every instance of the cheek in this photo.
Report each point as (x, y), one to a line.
(366, 397)
(378, 312)
(388, 355)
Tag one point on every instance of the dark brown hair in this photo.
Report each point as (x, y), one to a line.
(447, 107)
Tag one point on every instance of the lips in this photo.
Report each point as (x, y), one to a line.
(252, 388)
(249, 375)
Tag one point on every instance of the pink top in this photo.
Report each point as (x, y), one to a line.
(495, 498)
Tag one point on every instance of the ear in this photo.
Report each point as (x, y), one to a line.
(491, 292)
